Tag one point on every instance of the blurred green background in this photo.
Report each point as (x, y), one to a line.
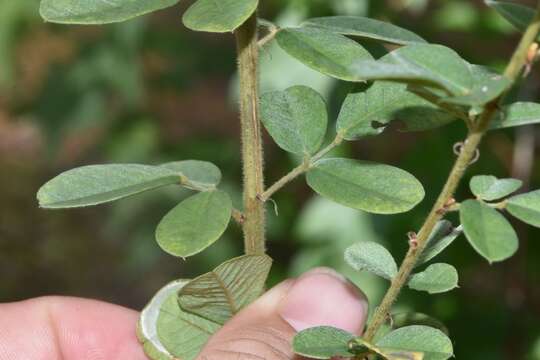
(150, 91)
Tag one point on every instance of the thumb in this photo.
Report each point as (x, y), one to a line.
(265, 329)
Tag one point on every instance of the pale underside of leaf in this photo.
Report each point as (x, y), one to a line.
(223, 292)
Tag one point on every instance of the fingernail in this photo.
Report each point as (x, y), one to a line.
(322, 297)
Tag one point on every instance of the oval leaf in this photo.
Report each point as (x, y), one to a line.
(526, 207)
(417, 338)
(441, 237)
(366, 113)
(489, 188)
(147, 330)
(517, 14)
(434, 65)
(517, 114)
(322, 342)
(437, 278)
(326, 52)
(195, 223)
(182, 334)
(366, 28)
(223, 292)
(218, 16)
(367, 186)
(97, 184)
(199, 175)
(372, 257)
(487, 85)
(296, 119)
(489, 233)
(89, 12)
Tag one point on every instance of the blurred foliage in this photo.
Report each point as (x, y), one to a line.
(150, 91)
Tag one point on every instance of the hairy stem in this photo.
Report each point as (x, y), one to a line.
(252, 152)
(467, 153)
(299, 170)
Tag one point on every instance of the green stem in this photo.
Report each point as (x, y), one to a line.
(252, 152)
(299, 170)
(513, 70)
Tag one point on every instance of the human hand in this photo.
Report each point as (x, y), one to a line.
(77, 329)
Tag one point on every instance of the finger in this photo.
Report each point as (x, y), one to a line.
(264, 330)
(68, 328)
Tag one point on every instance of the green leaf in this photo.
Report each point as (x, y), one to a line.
(372, 257)
(368, 186)
(182, 334)
(189, 334)
(417, 338)
(517, 114)
(218, 16)
(487, 85)
(97, 184)
(489, 233)
(90, 12)
(403, 319)
(296, 119)
(366, 28)
(326, 52)
(361, 347)
(441, 237)
(322, 342)
(489, 188)
(366, 113)
(526, 207)
(437, 278)
(223, 292)
(427, 64)
(199, 174)
(517, 14)
(195, 223)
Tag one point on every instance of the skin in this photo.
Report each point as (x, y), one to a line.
(51, 328)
